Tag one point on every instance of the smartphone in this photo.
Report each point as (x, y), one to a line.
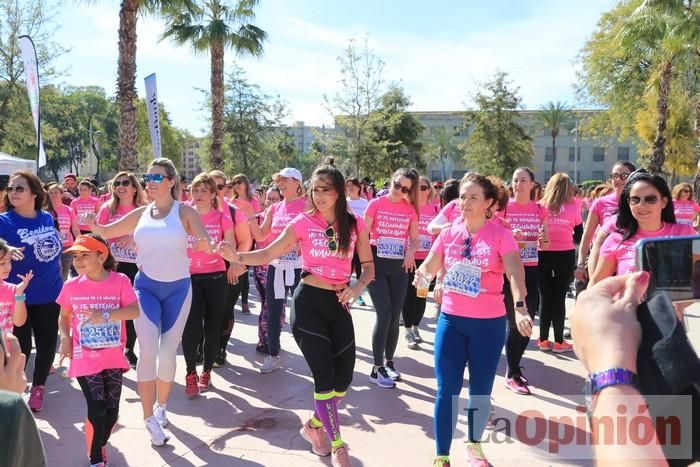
(674, 265)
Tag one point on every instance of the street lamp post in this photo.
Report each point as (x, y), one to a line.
(576, 154)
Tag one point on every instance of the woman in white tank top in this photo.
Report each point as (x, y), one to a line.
(162, 284)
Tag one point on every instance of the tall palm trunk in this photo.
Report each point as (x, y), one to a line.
(217, 105)
(126, 90)
(554, 152)
(658, 147)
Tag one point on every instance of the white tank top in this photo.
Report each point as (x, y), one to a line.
(161, 246)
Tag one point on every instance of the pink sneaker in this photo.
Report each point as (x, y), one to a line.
(545, 345)
(318, 439)
(563, 347)
(476, 455)
(36, 398)
(191, 388)
(517, 386)
(205, 381)
(341, 458)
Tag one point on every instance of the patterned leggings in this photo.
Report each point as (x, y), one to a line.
(260, 275)
(102, 392)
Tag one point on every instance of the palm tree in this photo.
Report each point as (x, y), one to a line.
(212, 26)
(440, 143)
(126, 73)
(669, 30)
(552, 116)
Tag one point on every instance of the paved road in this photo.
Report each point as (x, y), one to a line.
(250, 419)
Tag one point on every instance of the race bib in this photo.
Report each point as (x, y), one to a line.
(391, 248)
(528, 252)
(426, 241)
(124, 255)
(463, 278)
(101, 336)
(290, 257)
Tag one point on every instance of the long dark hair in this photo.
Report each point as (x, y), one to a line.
(110, 263)
(345, 219)
(35, 187)
(626, 223)
(414, 177)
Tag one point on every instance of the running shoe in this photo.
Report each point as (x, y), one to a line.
(440, 462)
(392, 371)
(270, 364)
(522, 377)
(36, 398)
(381, 378)
(563, 347)
(132, 358)
(205, 381)
(191, 387)
(262, 348)
(411, 340)
(516, 385)
(245, 309)
(161, 415)
(104, 456)
(220, 360)
(158, 435)
(476, 456)
(317, 438)
(544, 345)
(341, 458)
(416, 334)
(101, 464)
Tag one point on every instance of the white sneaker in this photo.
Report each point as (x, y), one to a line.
(158, 435)
(270, 364)
(416, 336)
(392, 371)
(160, 414)
(381, 378)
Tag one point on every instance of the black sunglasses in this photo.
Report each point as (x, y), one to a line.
(648, 199)
(220, 186)
(398, 186)
(122, 183)
(424, 188)
(332, 239)
(467, 248)
(623, 176)
(685, 190)
(238, 182)
(18, 189)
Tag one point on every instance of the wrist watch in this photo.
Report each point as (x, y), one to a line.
(603, 379)
(520, 304)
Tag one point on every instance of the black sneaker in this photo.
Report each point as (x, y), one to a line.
(132, 358)
(220, 360)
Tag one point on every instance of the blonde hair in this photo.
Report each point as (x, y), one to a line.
(601, 190)
(676, 193)
(171, 173)
(558, 192)
(139, 198)
(246, 182)
(208, 180)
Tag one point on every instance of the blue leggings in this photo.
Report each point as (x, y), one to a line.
(462, 342)
(164, 308)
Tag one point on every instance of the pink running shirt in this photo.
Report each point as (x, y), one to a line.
(685, 211)
(65, 217)
(82, 206)
(7, 307)
(483, 273)
(528, 218)
(123, 248)
(282, 214)
(605, 206)
(216, 224)
(316, 258)
(391, 224)
(624, 254)
(560, 227)
(427, 214)
(96, 347)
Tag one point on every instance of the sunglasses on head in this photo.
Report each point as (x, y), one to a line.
(399, 186)
(467, 248)
(155, 178)
(122, 183)
(648, 199)
(18, 189)
(332, 239)
(623, 176)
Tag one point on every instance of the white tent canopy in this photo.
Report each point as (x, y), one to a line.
(10, 164)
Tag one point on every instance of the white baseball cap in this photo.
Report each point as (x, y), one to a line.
(289, 172)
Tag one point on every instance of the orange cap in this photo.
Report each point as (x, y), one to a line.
(85, 243)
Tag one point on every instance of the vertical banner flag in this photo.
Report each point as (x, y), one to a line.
(152, 109)
(31, 74)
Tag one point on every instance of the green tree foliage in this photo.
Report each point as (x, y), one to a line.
(552, 117)
(172, 139)
(497, 144)
(440, 143)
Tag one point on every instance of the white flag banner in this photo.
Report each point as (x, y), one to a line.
(31, 74)
(152, 110)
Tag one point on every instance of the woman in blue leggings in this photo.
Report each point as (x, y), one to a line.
(474, 253)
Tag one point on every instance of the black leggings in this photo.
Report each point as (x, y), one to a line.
(516, 343)
(43, 321)
(232, 292)
(208, 302)
(556, 269)
(102, 392)
(324, 332)
(413, 306)
(129, 270)
(244, 280)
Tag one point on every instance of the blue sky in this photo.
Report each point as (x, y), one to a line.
(439, 52)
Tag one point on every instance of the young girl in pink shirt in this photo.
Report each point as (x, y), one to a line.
(94, 306)
(13, 311)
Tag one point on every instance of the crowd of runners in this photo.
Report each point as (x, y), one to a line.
(125, 276)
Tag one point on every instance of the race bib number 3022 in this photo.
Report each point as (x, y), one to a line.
(463, 278)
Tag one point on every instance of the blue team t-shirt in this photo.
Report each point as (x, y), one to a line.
(42, 254)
